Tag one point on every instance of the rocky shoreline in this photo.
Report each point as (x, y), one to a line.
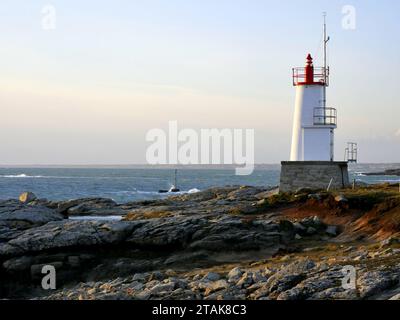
(221, 243)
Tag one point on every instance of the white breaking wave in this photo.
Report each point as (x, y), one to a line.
(22, 175)
(360, 174)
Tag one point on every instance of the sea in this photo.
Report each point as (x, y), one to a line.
(132, 183)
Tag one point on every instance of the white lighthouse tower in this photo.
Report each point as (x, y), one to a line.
(314, 123)
(312, 156)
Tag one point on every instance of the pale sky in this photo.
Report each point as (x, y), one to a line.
(89, 90)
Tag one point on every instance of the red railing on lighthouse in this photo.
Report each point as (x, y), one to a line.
(309, 75)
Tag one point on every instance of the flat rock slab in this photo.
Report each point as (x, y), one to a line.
(66, 234)
(25, 215)
(196, 233)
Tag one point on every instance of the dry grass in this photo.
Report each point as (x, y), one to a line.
(148, 215)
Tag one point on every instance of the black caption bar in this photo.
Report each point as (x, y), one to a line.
(196, 309)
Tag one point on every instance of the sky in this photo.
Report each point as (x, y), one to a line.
(88, 90)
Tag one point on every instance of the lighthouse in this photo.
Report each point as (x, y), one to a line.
(312, 159)
(314, 123)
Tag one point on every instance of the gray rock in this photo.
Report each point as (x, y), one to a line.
(152, 283)
(258, 277)
(336, 293)
(282, 283)
(216, 286)
(87, 206)
(211, 276)
(65, 205)
(331, 230)
(22, 217)
(373, 282)
(246, 280)
(18, 264)
(143, 295)
(235, 274)
(142, 277)
(66, 234)
(137, 286)
(313, 284)
(162, 287)
(156, 275)
(288, 277)
(244, 193)
(196, 234)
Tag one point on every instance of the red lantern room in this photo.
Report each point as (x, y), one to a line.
(309, 75)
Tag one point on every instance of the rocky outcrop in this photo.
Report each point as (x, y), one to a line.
(198, 229)
(194, 233)
(66, 234)
(15, 215)
(300, 280)
(222, 243)
(88, 206)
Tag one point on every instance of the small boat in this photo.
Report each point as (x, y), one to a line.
(174, 188)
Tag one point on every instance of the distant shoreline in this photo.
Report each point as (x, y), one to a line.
(136, 166)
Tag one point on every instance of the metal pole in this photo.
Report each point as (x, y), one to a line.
(326, 39)
(325, 64)
(329, 186)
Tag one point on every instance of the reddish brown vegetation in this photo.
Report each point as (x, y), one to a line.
(370, 213)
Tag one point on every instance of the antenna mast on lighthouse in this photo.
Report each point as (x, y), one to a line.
(326, 67)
